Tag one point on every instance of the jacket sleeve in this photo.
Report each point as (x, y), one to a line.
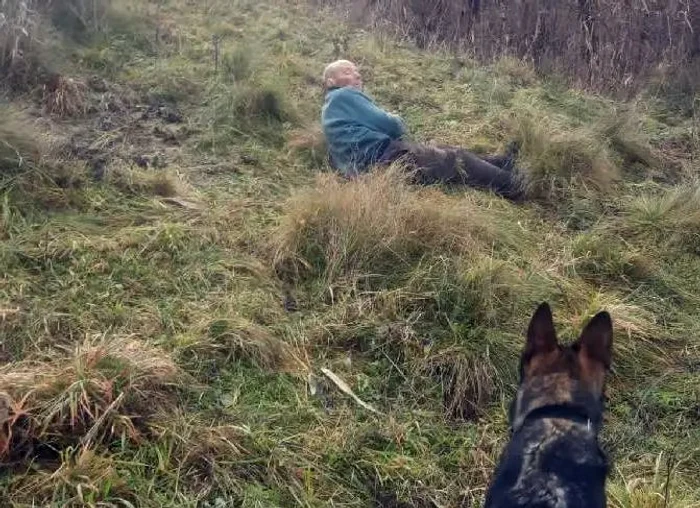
(400, 126)
(389, 124)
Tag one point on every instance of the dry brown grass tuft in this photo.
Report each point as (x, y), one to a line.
(27, 34)
(83, 478)
(65, 97)
(106, 389)
(520, 72)
(468, 382)
(31, 170)
(623, 133)
(138, 182)
(640, 343)
(379, 224)
(310, 138)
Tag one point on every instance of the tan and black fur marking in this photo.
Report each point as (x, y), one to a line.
(553, 459)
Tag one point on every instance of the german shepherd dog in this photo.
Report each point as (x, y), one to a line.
(553, 459)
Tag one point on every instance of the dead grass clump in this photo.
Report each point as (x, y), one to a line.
(224, 340)
(466, 291)
(250, 102)
(262, 103)
(519, 71)
(25, 36)
(472, 371)
(138, 182)
(65, 97)
(622, 133)
(600, 256)
(468, 382)
(104, 390)
(244, 109)
(376, 226)
(28, 174)
(83, 478)
(237, 64)
(640, 343)
(203, 452)
(658, 485)
(48, 188)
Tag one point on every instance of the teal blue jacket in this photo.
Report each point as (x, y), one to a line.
(357, 130)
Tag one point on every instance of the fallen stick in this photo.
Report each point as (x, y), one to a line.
(343, 386)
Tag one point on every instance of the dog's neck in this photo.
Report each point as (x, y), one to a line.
(577, 406)
(573, 413)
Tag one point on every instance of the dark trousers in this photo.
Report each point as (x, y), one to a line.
(455, 166)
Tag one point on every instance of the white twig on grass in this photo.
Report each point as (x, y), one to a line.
(343, 386)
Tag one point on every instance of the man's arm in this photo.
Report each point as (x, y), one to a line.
(400, 125)
(374, 116)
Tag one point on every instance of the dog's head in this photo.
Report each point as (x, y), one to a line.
(557, 376)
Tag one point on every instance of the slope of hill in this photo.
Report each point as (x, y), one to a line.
(178, 267)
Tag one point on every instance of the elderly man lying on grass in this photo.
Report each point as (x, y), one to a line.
(360, 134)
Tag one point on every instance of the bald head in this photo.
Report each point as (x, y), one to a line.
(342, 73)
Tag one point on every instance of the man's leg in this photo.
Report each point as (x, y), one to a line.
(482, 174)
(458, 166)
(500, 161)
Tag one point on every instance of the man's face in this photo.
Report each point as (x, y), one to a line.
(348, 75)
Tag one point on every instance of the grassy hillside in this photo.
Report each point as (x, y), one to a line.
(178, 267)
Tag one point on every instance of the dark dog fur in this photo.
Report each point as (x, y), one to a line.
(553, 459)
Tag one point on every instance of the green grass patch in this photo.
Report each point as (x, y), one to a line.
(168, 303)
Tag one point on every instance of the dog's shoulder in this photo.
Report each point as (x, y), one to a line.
(537, 471)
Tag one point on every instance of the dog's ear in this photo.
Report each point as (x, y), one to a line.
(596, 340)
(541, 336)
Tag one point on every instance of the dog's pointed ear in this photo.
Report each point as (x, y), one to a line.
(541, 336)
(596, 339)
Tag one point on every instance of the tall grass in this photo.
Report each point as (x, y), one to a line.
(671, 216)
(105, 390)
(379, 224)
(578, 39)
(164, 326)
(24, 40)
(18, 21)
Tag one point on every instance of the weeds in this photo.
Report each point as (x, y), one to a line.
(244, 111)
(214, 285)
(237, 64)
